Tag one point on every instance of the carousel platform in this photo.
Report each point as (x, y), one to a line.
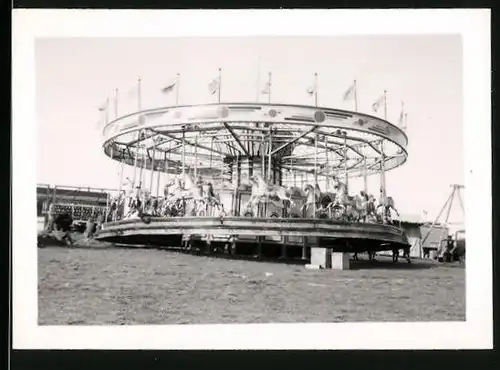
(298, 232)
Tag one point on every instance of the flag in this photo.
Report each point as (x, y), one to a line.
(378, 103)
(267, 88)
(104, 106)
(350, 92)
(213, 86)
(170, 87)
(133, 92)
(401, 115)
(311, 89)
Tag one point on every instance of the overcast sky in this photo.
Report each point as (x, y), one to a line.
(74, 76)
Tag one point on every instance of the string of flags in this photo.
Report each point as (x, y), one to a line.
(214, 88)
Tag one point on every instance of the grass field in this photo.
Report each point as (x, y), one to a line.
(137, 286)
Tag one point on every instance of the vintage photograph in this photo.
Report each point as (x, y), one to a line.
(179, 183)
(234, 186)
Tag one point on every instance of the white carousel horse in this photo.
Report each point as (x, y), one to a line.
(263, 192)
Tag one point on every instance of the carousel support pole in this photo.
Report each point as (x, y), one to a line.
(383, 192)
(365, 177)
(196, 157)
(136, 154)
(183, 151)
(106, 212)
(346, 174)
(315, 172)
(141, 193)
(263, 162)
(211, 150)
(327, 182)
(151, 179)
(269, 158)
(158, 173)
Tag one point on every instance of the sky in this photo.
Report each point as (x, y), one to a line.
(74, 76)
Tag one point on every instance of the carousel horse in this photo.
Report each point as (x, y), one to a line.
(183, 187)
(263, 192)
(296, 192)
(387, 211)
(209, 194)
(312, 199)
(322, 200)
(368, 208)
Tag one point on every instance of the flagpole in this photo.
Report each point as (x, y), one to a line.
(258, 81)
(139, 102)
(116, 103)
(385, 105)
(269, 86)
(218, 89)
(355, 96)
(107, 111)
(315, 89)
(177, 89)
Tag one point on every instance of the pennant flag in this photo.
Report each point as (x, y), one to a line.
(402, 114)
(170, 87)
(378, 103)
(267, 88)
(349, 92)
(213, 86)
(311, 90)
(104, 106)
(133, 92)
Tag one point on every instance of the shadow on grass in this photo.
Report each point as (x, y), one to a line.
(237, 257)
(387, 264)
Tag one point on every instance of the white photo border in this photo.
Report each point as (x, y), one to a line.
(474, 27)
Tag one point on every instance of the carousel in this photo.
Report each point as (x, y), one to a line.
(259, 179)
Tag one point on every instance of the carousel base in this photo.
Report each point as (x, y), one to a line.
(323, 240)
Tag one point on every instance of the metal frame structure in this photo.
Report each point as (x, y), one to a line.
(287, 145)
(296, 140)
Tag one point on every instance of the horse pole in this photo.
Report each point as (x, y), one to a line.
(183, 151)
(195, 157)
(327, 182)
(345, 163)
(270, 154)
(315, 172)
(382, 179)
(151, 179)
